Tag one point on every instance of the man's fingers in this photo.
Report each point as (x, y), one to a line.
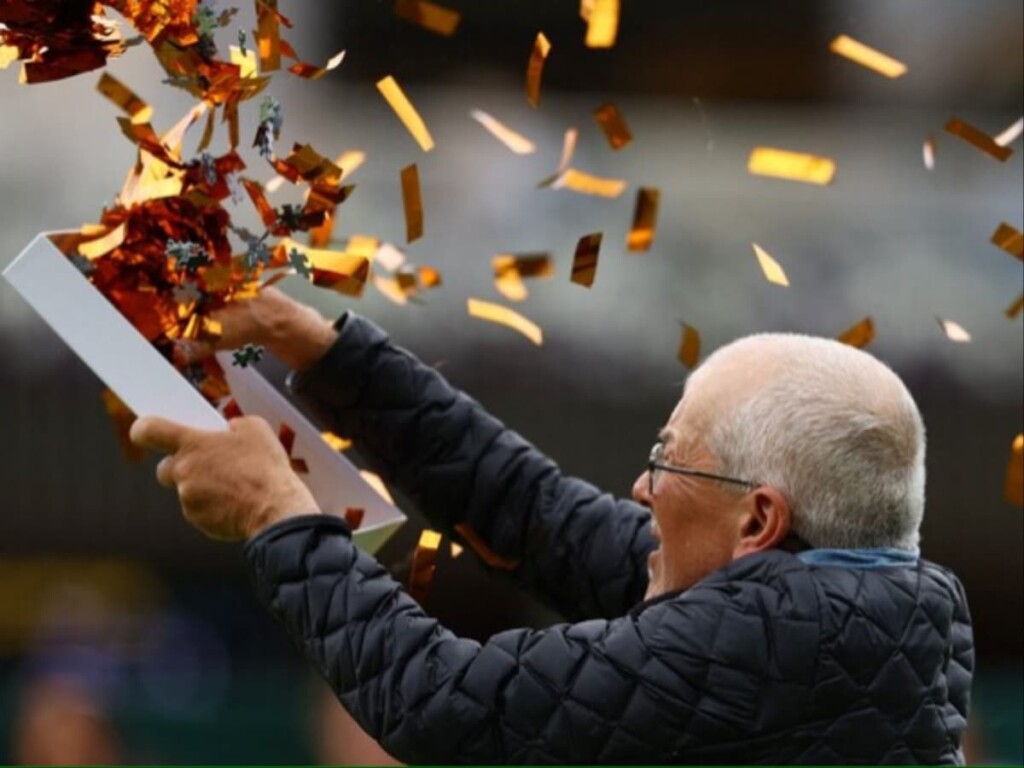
(165, 472)
(158, 434)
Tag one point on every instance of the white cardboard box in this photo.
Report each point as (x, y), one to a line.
(151, 386)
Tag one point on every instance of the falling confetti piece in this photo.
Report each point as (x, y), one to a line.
(613, 124)
(954, 331)
(535, 68)
(432, 17)
(424, 565)
(928, 150)
(339, 271)
(868, 57)
(125, 98)
(313, 72)
(586, 184)
(792, 166)
(1015, 473)
(354, 517)
(373, 480)
(602, 17)
(1015, 309)
(412, 203)
(860, 334)
(391, 289)
(268, 35)
(568, 148)
(773, 271)
(1011, 134)
(428, 277)
(495, 313)
(247, 63)
(336, 442)
(645, 219)
(1010, 240)
(978, 139)
(689, 347)
(516, 142)
(456, 551)
(510, 269)
(490, 558)
(584, 262)
(389, 257)
(286, 435)
(396, 98)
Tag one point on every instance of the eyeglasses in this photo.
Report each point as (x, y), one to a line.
(655, 467)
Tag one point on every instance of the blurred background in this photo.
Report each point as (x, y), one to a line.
(144, 641)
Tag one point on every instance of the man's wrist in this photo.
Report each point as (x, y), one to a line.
(302, 338)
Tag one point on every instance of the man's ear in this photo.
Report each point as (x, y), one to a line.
(764, 522)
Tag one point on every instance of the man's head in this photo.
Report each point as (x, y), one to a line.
(828, 436)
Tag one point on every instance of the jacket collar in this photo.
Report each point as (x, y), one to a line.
(881, 557)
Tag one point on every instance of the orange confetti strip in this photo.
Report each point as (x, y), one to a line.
(495, 313)
(535, 68)
(412, 202)
(429, 277)
(510, 269)
(406, 112)
(954, 331)
(490, 558)
(266, 211)
(339, 271)
(337, 443)
(1010, 240)
(602, 17)
(1015, 309)
(859, 335)
(424, 565)
(928, 150)
(516, 142)
(1015, 473)
(584, 262)
(268, 35)
(613, 124)
(122, 418)
(93, 249)
(312, 72)
(868, 57)
(773, 271)
(373, 480)
(792, 166)
(125, 98)
(978, 139)
(587, 184)
(435, 18)
(354, 517)
(689, 347)
(645, 220)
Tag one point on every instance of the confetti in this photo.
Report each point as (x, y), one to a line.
(868, 57)
(510, 269)
(602, 17)
(286, 435)
(396, 98)
(93, 249)
(412, 203)
(954, 331)
(568, 150)
(978, 139)
(1014, 309)
(125, 98)
(430, 16)
(1010, 240)
(773, 271)
(495, 313)
(535, 68)
(389, 257)
(340, 271)
(312, 72)
(428, 277)
(268, 34)
(122, 418)
(613, 124)
(1015, 473)
(859, 335)
(586, 184)
(424, 565)
(1011, 134)
(246, 61)
(516, 142)
(792, 166)
(490, 558)
(928, 150)
(645, 219)
(247, 355)
(689, 347)
(354, 517)
(373, 480)
(337, 443)
(456, 551)
(584, 262)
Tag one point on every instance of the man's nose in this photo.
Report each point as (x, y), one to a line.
(642, 490)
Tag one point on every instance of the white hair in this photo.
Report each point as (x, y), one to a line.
(836, 431)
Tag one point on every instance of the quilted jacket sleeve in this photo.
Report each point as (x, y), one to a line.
(581, 550)
(661, 684)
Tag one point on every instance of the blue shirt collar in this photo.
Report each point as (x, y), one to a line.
(882, 557)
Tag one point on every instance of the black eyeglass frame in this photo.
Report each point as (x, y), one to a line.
(653, 464)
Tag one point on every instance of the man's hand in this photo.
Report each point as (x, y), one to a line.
(231, 484)
(294, 333)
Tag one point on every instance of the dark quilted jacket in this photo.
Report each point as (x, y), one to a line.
(766, 660)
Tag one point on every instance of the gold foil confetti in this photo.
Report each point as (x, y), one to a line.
(122, 418)
(586, 184)
(613, 124)
(336, 442)
(428, 277)
(516, 142)
(125, 98)
(412, 202)
(602, 17)
(1011, 134)
(268, 35)
(978, 139)
(584, 262)
(1010, 240)
(1015, 473)
(1014, 309)
(859, 335)
(424, 565)
(312, 72)
(792, 166)
(773, 271)
(535, 68)
(868, 57)
(689, 347)
(954, 331)
(373, 480)
(456, 550)
(510, 269)
(8, 55)
(645, 220)
(928, 150)
(100, 246)
(430, 16)
(406, 112)
(495, 313)
(490, 558)
(339, 271)
(247, 63)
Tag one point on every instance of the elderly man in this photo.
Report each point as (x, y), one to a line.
(774, 610)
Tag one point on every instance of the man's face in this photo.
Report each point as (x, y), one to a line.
(696, 520)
